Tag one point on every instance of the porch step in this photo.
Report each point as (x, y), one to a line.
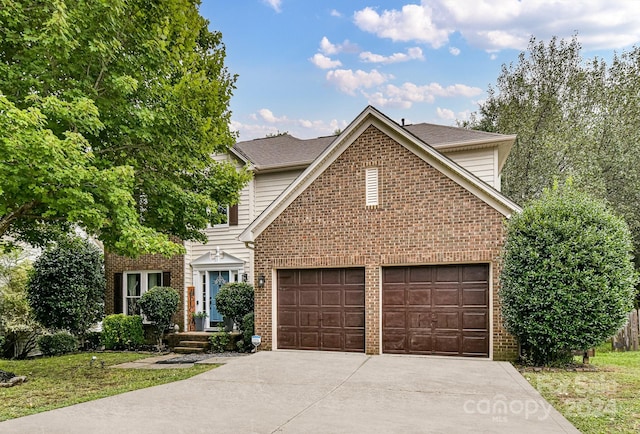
(189, 342)
(194, 336)
(194, 344)
(188, 350)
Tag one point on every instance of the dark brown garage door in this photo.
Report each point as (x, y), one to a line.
(321, 309)
(441, 310)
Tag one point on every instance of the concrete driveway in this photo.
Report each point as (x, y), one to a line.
(302, 392)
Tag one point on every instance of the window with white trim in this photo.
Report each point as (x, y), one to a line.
(223, 211)
(136, 283)
(371, 183)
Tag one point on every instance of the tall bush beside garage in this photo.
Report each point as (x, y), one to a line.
(568, 280)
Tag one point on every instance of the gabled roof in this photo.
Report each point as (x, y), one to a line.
(279, 152)
(371, 116)
(219, 258)
(288, 152)
(452, 139)
(442, 135)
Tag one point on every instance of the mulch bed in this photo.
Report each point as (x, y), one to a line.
(197, 357)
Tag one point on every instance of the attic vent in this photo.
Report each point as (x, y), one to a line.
(371, 179)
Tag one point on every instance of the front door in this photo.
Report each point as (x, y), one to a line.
(216, 280)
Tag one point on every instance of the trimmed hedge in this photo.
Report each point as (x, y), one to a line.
(57, 344)
(219, 342)
(122, 332)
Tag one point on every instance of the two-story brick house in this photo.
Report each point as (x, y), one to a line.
(385, 238)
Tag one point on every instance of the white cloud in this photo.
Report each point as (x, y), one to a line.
(412, 23)
(502, 24)
(449, 115)
(264, 122)
(454, 51)
(274, 4)
(409, 93)
(445, 114)
(268, 116)
(349, 81)
(335, 13)
(326, 47)
(414, 53)
(324, 62)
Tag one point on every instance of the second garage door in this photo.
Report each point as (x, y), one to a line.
(442, 310)
(321, 309)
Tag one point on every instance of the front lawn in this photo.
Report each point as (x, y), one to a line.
(595, 402)
(55, 382)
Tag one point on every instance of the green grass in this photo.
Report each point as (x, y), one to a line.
(55, 382)
(606, 401)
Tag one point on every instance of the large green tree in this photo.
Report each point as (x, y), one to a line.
(110, 112)
(575, 118)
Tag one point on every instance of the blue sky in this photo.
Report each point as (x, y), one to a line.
(310, 67)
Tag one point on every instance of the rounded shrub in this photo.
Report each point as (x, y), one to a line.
(122, 332)
(568, 279)
(235, 300)
(57, 344)
(66, 288)
(158, 305)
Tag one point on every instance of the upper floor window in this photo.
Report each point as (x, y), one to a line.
(223, 211)
(229, 216)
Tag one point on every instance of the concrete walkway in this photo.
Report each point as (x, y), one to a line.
(314, 392)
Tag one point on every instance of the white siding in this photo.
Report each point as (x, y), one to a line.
(254, 198)
(269, 185)
(481, 162)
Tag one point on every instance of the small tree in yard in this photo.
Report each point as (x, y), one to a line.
(158, 305)
(66, 288)
(19, 330)
(568, 278)
(235, 300)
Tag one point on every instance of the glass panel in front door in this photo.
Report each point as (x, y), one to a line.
(216, 280)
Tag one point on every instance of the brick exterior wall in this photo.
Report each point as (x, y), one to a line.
(118, 264)
(422, 218)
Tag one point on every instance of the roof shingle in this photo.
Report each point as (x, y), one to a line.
(284, 151)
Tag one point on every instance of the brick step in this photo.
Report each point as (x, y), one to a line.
(194, 336)
(187, 350)
(193, 344)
